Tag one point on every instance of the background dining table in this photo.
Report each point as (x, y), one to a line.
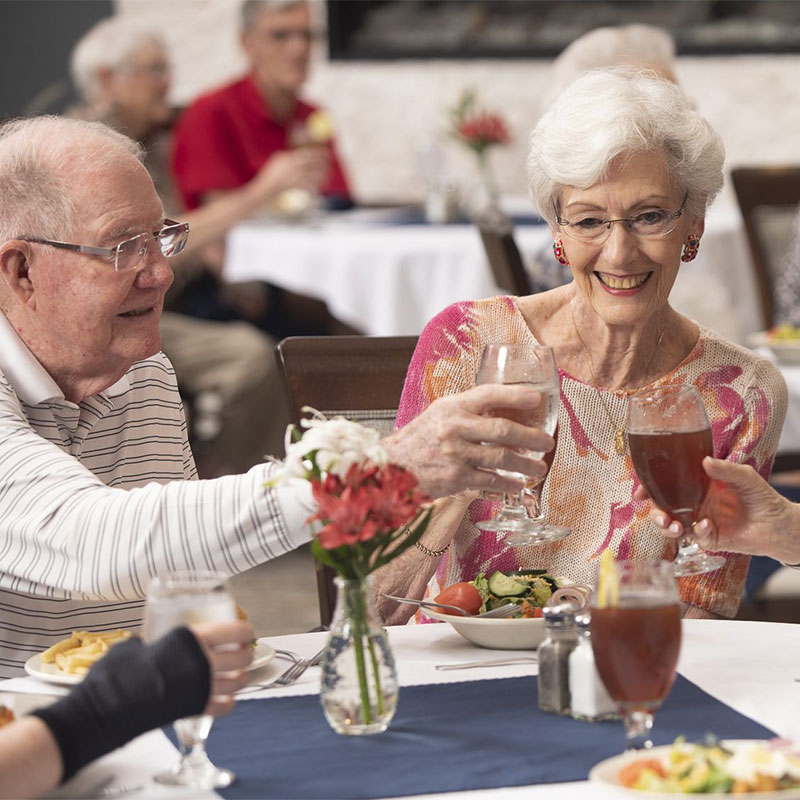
(750, 670)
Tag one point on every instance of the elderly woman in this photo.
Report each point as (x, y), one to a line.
(623, 168)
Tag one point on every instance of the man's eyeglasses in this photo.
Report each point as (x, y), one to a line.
(652, 223)
(130, 254)
(306, 35)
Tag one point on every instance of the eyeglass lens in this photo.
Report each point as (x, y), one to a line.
(131, 252)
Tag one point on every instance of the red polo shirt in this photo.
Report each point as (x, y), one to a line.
(225, 136)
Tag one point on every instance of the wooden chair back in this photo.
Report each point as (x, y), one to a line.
(358, 377)
(504, 257)
(768, 198)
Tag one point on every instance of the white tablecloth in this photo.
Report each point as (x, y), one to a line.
(387, 279)
(751, 666)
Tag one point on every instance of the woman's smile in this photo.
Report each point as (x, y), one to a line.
(622, 284)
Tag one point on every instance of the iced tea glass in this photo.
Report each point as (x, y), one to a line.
(636, 639)
(669, 436)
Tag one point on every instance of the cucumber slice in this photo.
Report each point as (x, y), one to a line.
(502, 585)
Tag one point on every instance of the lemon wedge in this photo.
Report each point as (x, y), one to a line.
(607, 581)
(319, 127)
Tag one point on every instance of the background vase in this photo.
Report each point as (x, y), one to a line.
(359, 679)
(488, 213)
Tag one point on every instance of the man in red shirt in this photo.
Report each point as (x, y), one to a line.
(225, 136)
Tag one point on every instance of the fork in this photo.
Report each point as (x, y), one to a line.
(298, 668)
(288, 676)
(501, 612)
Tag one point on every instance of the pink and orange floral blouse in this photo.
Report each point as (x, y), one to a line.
(590, 488)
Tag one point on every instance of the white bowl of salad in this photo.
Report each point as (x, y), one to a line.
(756, 770)
(527, 589)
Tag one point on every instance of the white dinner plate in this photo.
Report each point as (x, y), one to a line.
(495, 634)
(263, 653)
(606, 774)
(49, 673)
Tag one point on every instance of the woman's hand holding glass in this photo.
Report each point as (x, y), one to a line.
(741, 513)
(534, 366)
(189, 598)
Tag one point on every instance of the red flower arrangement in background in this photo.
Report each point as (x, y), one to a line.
(478, 130)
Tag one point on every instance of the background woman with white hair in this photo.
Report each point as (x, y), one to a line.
(622, 168)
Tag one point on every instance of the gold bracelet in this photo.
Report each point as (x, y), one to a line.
(432, 553)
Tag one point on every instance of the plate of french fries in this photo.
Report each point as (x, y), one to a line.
(67, 661)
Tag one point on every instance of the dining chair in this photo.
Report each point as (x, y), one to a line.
(768, 198)
(505, 260)
(357, 377)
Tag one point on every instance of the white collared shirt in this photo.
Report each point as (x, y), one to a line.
(99, 496)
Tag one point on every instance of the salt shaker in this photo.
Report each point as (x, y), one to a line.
(589, 699)
(554, 652)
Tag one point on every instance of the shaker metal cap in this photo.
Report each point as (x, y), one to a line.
(560, 616)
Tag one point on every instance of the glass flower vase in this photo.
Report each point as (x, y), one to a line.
(359, 679)
(487, 212)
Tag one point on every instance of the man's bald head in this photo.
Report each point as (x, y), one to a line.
(42, 160)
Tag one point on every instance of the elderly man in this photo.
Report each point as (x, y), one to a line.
(96, 494)
(225, 137)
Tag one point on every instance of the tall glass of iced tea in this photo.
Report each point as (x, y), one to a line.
(636, 638)
(669, 436)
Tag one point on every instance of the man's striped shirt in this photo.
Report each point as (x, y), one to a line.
(97, 497)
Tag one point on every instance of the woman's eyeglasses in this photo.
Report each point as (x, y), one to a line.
(651, 223)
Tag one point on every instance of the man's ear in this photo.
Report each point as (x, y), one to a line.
(15, 258)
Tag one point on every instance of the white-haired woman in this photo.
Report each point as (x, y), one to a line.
(622, 167)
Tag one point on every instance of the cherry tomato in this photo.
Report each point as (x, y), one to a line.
(464, 595)
(630, 773)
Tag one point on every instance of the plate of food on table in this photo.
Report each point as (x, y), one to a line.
(782, 340)
(753, 769)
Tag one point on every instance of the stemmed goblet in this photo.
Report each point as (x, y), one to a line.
(669, 435)
(535, 366)
(636, 638)
(183, 598)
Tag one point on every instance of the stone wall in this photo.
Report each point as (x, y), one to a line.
(388, 113)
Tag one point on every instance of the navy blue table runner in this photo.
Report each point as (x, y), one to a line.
(445, 737)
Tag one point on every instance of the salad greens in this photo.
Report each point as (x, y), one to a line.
(529, 589)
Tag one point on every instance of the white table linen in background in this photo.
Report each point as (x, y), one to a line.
(389, 280)
(751, 666)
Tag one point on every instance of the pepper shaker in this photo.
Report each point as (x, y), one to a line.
(554, 652)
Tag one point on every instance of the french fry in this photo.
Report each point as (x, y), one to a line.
(49, 655)
(79, 652)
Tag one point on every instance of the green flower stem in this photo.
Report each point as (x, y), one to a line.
(377, 673)
(358, 620)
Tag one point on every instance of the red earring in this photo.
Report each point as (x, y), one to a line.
(558, 252)
(690, 248)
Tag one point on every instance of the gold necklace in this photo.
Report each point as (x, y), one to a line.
(619, 430)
